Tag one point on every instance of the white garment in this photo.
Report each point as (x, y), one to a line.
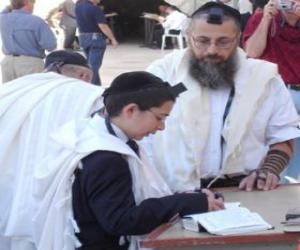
(193, 128)
(53, 223)
(245, 6)
(31, 108)
(175, 21)
(187, 6)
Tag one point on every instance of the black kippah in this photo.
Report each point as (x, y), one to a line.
(140, 81)
(216, 11)
(65, 57)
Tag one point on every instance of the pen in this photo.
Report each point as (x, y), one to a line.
(217, 195)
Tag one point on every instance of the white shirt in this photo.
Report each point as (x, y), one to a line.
(212, 154)
(174, 21)
(274, 121)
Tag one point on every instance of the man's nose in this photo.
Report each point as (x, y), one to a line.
(212, 49)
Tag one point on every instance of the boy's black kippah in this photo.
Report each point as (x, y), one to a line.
(139, 81)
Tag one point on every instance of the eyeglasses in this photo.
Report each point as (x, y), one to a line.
(157, 116)
(205, 43)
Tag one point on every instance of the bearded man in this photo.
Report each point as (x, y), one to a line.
(236, 123)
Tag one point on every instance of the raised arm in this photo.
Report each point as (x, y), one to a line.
(256, 44)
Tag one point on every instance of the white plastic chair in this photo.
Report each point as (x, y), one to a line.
(179, 37)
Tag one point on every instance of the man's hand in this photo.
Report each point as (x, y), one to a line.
(260, 180)
(296, 8)
(114, 43)
(270, 10)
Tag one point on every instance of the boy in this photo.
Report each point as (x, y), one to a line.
(115, 192)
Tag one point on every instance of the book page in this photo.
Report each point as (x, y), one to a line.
(231, 221)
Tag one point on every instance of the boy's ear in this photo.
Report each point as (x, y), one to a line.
(130, 109)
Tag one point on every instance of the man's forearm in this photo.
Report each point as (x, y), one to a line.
(286, 146)
(107, 31)
(278, 157)
(257, 43)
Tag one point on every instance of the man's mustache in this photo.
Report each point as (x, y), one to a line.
(212, 57)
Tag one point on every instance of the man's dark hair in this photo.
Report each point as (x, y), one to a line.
(141, 88)
(259, 4)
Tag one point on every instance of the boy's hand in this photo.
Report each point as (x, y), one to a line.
(213, 203)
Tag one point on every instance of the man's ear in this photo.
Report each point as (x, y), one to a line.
(130, 109)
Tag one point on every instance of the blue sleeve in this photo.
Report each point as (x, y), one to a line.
(46, 38)
(99, 15)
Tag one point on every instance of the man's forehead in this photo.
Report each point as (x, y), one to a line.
(200, 27)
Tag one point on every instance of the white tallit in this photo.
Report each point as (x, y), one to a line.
(54, 224)
(189, 123)
(31, 108)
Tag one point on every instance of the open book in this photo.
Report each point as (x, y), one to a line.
(232, 220)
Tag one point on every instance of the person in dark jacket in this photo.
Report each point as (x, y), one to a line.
(113, 194)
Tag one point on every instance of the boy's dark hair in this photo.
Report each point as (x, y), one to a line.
(141, 88)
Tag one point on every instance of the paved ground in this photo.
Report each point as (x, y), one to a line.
(127, 57)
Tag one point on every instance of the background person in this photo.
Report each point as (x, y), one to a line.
(25, 37)
(43, 102)
(63, 21)
(172, 21)
(232, 127)
(274, 35)
(68, 23)
(93, 31)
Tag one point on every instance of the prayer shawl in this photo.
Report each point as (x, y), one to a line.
(188, 126)
(31, 108)
(54, 224)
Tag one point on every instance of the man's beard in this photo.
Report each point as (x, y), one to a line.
(213, 75)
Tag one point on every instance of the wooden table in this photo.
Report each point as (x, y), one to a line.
(271, 205)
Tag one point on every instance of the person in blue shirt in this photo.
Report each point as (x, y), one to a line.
(93, 31)
(25, 37)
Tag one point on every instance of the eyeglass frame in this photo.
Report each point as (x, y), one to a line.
(217, 44)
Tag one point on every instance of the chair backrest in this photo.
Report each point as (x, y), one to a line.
(171, 32)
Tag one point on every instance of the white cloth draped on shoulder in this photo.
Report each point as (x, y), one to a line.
(31, 108)
(54, 224)
(188, 126)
